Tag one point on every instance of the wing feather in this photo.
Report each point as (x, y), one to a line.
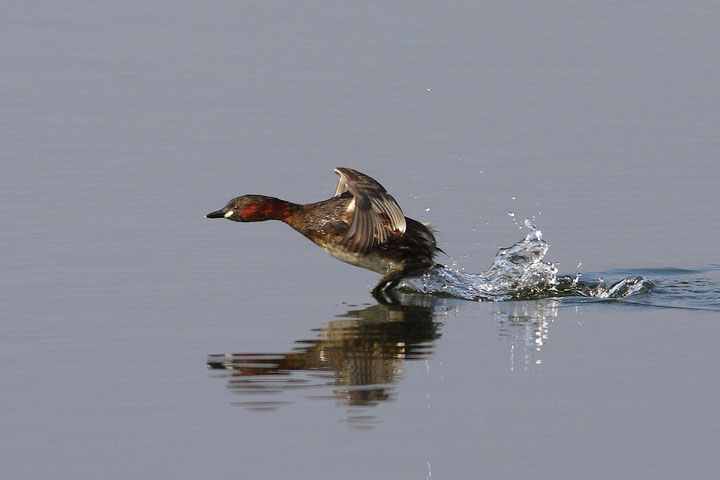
(341, 186)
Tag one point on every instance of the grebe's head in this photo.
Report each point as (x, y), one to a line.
(247, 208)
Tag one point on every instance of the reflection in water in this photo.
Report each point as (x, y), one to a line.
(360, 358)
(525, 325)
(356, 361)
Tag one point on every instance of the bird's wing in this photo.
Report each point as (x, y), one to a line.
(376, 215)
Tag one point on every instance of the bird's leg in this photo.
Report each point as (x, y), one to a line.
(388, 282)
(392, 279)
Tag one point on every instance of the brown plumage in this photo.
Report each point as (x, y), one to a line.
(361, 224)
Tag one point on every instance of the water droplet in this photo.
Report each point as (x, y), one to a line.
(579, 264)
(511, 214)
(427, 209)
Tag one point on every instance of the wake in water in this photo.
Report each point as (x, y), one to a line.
(519, 273)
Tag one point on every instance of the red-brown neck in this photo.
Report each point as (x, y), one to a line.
(268, 208)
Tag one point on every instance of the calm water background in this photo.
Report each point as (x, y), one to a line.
(123, 124)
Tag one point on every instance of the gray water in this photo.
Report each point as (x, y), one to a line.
(140, 340)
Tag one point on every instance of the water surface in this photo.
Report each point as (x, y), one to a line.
(122, 124)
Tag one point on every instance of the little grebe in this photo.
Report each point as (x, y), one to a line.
(361, 224)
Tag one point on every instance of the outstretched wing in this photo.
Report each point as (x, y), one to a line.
(376, 214)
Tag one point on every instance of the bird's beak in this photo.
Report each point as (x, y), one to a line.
(217, 214)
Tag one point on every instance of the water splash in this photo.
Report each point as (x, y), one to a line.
(519, 273)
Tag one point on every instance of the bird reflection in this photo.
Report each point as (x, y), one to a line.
(357, 360)
(359, 357)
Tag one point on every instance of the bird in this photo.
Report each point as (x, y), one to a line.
(361, 224)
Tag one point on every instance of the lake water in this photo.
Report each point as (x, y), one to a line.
(140, 340)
